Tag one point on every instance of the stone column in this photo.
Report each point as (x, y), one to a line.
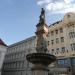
(40, 70)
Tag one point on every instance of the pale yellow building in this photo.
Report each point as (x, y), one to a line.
(61, 43)
(62, 36)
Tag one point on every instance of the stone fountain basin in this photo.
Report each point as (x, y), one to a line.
(41, 58)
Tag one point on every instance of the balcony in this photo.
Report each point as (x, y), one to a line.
(66, 54)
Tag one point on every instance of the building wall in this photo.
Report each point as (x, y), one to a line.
(15, 62)
(2, 54)
(62, 37)
(62, 44)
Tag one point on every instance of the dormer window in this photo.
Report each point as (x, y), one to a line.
(68, 15)
(70, 24)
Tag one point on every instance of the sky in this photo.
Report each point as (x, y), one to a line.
(18, 18)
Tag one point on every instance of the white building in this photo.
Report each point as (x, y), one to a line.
(3, 48)
(15, 62)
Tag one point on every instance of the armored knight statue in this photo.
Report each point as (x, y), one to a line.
(42, 16)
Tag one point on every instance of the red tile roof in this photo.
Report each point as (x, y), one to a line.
(2, 43)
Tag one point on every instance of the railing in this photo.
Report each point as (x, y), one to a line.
(66, 54)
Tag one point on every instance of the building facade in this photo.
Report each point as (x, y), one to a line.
(15, 62)
(3, 48)
(61, 43)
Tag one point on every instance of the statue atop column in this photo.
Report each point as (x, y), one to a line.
(41, 59)
(42, 16)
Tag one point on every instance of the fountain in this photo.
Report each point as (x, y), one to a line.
(41, 59)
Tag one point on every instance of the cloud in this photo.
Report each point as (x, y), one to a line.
(58, 6)
(40, 3)
(43, 2)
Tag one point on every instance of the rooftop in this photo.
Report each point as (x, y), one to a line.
(2, 43)
(55, 23)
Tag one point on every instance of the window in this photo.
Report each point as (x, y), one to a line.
(52, 51)
(72, 34)
(61, 30)
(57, 40)
(56, 31)
(73, 46)
(70, 24)
(63, 49)
(52, 33)
(62, 61)
(62, 39)
(52, 42)
(57, 50)
(48, 42)
(68, 15)
(73, 60)
(48, 34)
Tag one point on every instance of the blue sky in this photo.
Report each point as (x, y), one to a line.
(18, 18)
